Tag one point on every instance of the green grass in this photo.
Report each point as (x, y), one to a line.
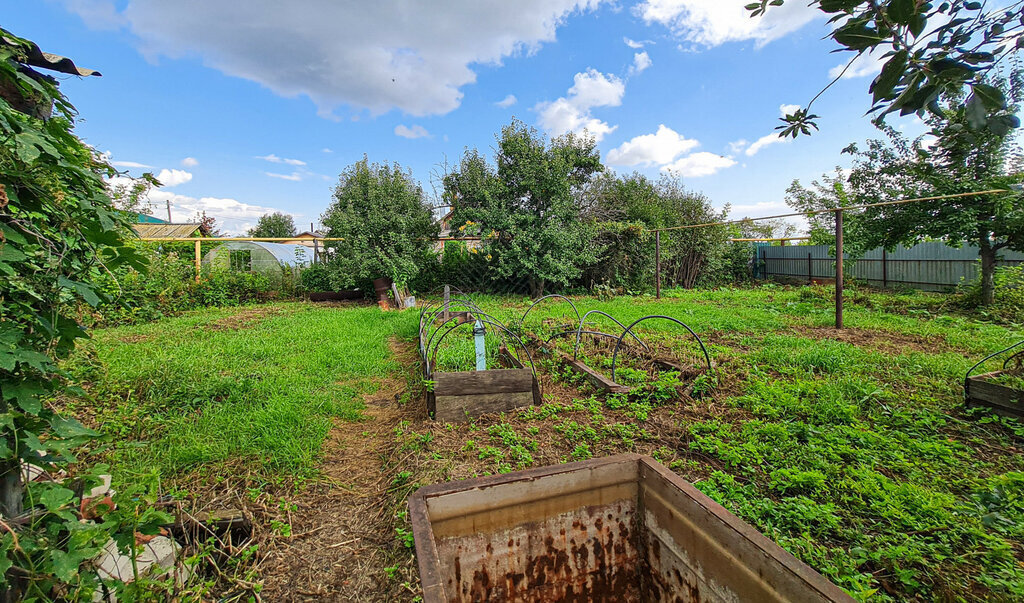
(859, 458)
(183, 393)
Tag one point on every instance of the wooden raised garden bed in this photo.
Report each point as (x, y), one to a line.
(468, 394)
(982, 390)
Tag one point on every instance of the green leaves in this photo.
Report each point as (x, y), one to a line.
(57, 225)
(965, 41)
(858, 36)
(892, 73)
(901, 11)
(85, 291)
(55, 497)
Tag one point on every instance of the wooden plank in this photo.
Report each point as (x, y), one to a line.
(593, 377)
(1002, 399)
(455, 409)
(494, 381)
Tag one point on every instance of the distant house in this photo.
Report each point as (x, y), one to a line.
(147, 219)
(445, 235)
(305, 239)
(167, 230)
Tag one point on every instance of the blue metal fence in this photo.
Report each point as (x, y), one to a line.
(932, 266)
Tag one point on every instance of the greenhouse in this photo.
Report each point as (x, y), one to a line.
(271, 259)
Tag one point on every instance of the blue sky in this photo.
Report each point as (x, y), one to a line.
(246, 111)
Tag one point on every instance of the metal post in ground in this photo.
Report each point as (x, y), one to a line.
(839, 269)
(885, 269)
(657, 264)
(198, 259)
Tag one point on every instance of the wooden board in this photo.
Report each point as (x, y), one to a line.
(465, 395)
(457, 409)
(495, 381)
(1000, 398)
(593, 377)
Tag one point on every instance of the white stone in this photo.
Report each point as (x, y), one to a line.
(111, 564)
(101, 490)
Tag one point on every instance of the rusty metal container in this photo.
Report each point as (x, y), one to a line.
(620, 528)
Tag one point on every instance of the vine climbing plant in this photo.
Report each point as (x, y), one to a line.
(58, 231)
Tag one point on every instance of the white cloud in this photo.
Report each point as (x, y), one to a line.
(294, 176)
(379, 56)
(714, 22)
(233, 216)
(571, 113)
(129, 164)
(863, 65)
(172, 177)
(508, 101)
(416, 131)
(699, 164)
(272, 158)
(190, 162)
(660, 148)
(774, 137)
(739, 145)
(641, 61)
(326, 150)
(764, 141)
(633, 43)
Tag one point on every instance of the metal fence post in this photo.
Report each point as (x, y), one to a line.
(657, 264)
(839, 269)
(885, 269)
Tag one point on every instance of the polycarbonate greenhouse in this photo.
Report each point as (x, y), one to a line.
(271, 259)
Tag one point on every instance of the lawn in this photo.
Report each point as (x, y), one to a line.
(850, 449)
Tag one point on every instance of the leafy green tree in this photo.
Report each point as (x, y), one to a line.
(931, 50)
(960, 161)
(528, 208)
(387, 226)
(828, 192)
(275, 225)
(628, 207)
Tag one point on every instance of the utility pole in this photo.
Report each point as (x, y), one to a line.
(169, 211)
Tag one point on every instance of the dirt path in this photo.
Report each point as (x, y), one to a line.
(342, 533)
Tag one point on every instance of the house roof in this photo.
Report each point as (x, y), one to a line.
(175, 231)
(148, 219)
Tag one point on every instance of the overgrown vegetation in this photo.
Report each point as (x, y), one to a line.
(852, 450)
(167, 286)
(58, 231)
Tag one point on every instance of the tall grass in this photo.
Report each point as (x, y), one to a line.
(202, 389)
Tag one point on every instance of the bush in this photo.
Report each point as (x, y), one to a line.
(386, 225)
(1008, 303)
(167, 286)
(316, 278)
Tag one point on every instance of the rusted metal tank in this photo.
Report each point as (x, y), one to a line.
(620, 528)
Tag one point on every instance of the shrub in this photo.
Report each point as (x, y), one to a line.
(1008, 302)
(316, 278)
(166, 286)
(382, 216)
